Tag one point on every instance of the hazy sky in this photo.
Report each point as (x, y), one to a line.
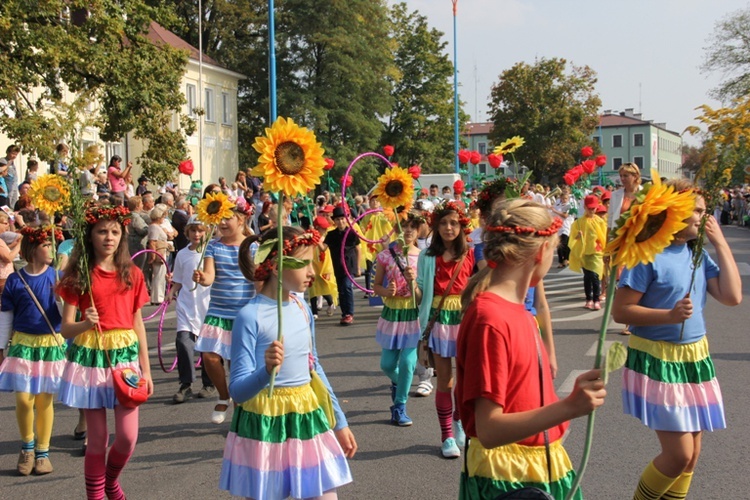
(647, 53)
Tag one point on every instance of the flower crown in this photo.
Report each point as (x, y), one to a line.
(41, 234)
(491, 191)
(444, 207)
(108, 212)
(552, 229)
(265, 256)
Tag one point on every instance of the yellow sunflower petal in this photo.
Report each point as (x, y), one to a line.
(50, 193)
(395, 188)
(291, 161)
(213, 208)
(509, 146)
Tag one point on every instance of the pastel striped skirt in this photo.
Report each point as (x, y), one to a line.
(216, 336)
(398, 325)
(87, 378)
(672, 387)
(489, 473)
(34, 364)
(282, 446)
(445, 331)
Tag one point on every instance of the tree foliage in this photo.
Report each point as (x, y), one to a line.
(729, 54)
(98, 51)
(554, 109)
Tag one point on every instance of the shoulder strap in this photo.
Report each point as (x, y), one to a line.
(541, 392)
(453, 280)
(36, 302)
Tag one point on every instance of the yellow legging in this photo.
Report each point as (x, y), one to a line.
(45, 416)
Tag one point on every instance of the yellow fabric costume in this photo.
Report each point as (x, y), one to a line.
(376, 227)
(324, 282)
(588, 237)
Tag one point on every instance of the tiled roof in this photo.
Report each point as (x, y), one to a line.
(159, 34)
(619, 121)
(478, 128)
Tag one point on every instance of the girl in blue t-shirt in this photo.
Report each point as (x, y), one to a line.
(669, 381)
(285, 444)
(229, 292)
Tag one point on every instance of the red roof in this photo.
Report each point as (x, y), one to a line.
(159, 34)
(478, 128)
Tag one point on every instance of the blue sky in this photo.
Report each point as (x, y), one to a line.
(647, 53)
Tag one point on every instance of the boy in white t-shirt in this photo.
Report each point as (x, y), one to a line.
(191, 309)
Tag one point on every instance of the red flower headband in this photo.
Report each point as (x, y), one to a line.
(120, 214)
(552, 229)
(268, 251)
(41, 234)
(447, 206)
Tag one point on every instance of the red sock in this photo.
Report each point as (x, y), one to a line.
(115, 462)
(93, 471)
(444, 406)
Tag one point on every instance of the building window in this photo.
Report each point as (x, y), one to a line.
(637, 139)
(190, 96)
(617, 141)
(638, 160)
(616, 163)
(209, 106)
(598, 140)
(482, 168)
(226, 113)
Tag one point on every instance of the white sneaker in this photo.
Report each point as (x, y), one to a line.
(315, 316)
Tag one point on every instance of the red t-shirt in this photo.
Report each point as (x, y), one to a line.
(444, 273)
(115, 303)
(497, 360)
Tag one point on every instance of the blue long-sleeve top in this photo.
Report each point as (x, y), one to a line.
(255, 328)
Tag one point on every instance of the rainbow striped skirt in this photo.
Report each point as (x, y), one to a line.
(34, 364)
(282, 446)
(216, 336)
(398, 325)
(445, 331)
(672, 387)
(87, 379)
(489, 473)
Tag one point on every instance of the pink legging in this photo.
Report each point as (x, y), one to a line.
(103, 472)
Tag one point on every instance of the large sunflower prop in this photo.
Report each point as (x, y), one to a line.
(509, 146)
(50, 193)
(395, 188)
(291, 160)
(651, 223)
(213, 208)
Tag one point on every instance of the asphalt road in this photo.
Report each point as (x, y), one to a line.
(179, 449)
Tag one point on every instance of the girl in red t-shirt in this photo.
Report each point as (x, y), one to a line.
(87, 379)
(503, 380)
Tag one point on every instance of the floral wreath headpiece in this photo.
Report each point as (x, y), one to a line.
(491, 191)
(120, 214)
(41, 234)
(444, 207)
(552, 229)
(265, 260)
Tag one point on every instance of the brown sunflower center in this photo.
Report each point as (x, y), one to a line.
(290, 157)
(213, 207)
(394, 188)
(51, 193)
(651, 227)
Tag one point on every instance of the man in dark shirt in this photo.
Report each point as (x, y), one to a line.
(335, 240)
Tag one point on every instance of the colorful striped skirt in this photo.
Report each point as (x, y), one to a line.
(398, 325)
(488, 473)
(34, 364)
(87, 379)
(672, 387)
(282, 446)
(445, 331)
(216, 336)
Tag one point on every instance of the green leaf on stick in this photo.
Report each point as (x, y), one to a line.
(615, 359)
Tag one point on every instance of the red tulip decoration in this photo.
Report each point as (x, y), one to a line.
(464, 155)
(388, 150)
(587, 151)
(495, 160)
(186, 167)
(329, 164)
(475, 157)
(569, 178)
(415, 171)
(601, 160)
(588, 166)
(346, 180)
(458, 187)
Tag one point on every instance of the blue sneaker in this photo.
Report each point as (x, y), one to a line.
(458, 432)
(450, 449)
(393, 393)
(399, 416)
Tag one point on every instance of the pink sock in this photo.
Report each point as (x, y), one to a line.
(444, 406)
(126, 435)
(115, 462)
(93, 471)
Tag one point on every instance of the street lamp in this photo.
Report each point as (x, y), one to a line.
(455, 89)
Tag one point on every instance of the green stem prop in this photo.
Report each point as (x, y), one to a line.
(204, 244)
(697, 259)
(597, 364)
(279, 288)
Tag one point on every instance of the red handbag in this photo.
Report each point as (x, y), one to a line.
(130, 388)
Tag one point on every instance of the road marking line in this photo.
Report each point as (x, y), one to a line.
(570, 381)
(744, 268)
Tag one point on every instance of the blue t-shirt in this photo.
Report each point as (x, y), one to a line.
(230, 290)
(26, 315)
(528, 301)
(255, 328)
(666, 281)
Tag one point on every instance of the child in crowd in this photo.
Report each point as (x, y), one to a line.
(335, 240)
(117, 335)
(669, 381)
(444, 269)
(191, 308)
(588, 237)
(35, 360)
(32, 171)
(398, 326)
(229, 292)
(563, 210)
(283, 445)
(504, 387)
(324, 284)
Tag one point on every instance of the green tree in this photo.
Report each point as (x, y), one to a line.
(420, 124)
(97, 50)
(729, 54)
(553, 109)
